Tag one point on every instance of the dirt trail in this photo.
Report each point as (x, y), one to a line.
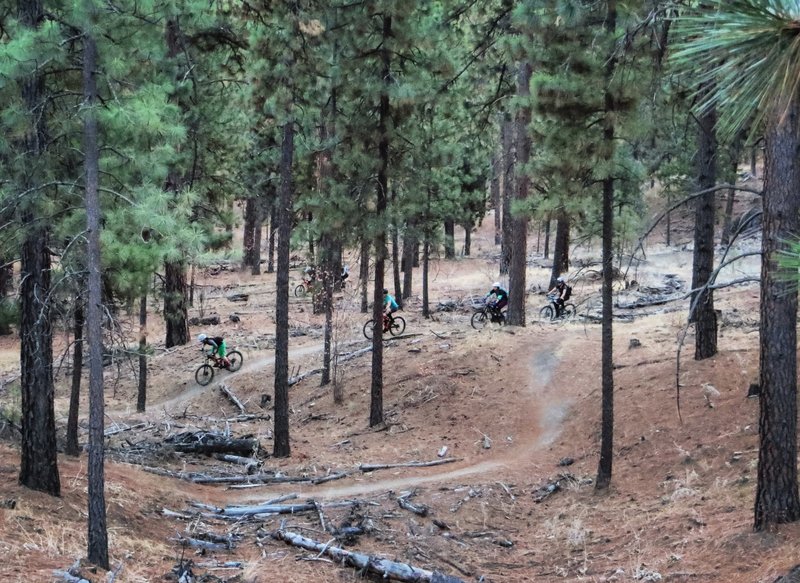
(545, 409)
(255, 365)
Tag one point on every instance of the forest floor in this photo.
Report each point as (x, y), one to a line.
(518, 410)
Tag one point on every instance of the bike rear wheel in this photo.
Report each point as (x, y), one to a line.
(235, 359)
(204, 374)
(398, 326)
(368, 328)
(547, 313)
(569, 311)
(300, 291)
(479, 320)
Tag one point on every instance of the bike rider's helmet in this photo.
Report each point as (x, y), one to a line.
(559, 280)
(496, 285)
(201, 338)
(385, 291)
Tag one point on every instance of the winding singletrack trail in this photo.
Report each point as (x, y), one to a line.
(545, 410)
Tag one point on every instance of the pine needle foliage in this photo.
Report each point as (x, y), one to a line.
(750, 50)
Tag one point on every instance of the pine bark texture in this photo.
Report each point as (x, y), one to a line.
(409, 248)
(449, 239)
(704, 316)
(519, 248)
(777, 488)
(494, 189)
(141, 394)
(71, 447)
(97, 532)
(507, 135)
(376, 387)
(38, 458)
(176, 312)
(605, 464)
(285, 201)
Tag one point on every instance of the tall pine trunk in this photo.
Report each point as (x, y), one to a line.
(72, 447)
(38, 457)
(141, 394)
(519, 248)
(363, 274)
(248, 232)
(561, 247)
(494, 189)
(426, 248)
(508, 193)
(6, 275)
(449, 239)
(176, 312)
(175, 299)
(285, 201)
(776, 491)
(409, 247)
(703, 314)
(398, 287)
(273, 221)
(255, 268)
(733, 169)
(605, 464)
(376, 389)
(97, 532)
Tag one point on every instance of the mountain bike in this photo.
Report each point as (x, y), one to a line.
(205, 372)
(303, 288)
(548, 312)
(394, 325)
(485, 314)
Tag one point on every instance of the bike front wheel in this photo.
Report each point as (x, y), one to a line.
(546, 313)
(204, 374)
(235, 359)
(479, 320)
(398, 326)
(300, 291)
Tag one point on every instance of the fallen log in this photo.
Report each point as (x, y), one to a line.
(232, 398)
(264, 479)
(250, 464)
(269, 509)
(294, 380)
(373, 467)
(367, 563)
(205, 545)
(232, 446)
(418, 509)
(205, 442)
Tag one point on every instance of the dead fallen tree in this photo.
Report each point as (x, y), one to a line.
(208, 443)
(373, 467)
(366, 563)
(250, 464)
(232, 398)
(243, 480)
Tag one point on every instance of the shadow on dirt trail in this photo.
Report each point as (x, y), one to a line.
(545, 410)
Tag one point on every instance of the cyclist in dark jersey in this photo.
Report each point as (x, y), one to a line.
(499, 301)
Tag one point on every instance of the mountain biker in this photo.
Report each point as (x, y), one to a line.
(218, 348)
(389, 307)
(559, 294)
(499, 302)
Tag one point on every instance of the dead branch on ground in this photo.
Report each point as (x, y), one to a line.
(367, 563)
(373, 467)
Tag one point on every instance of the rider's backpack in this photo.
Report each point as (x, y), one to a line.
(568, 295)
